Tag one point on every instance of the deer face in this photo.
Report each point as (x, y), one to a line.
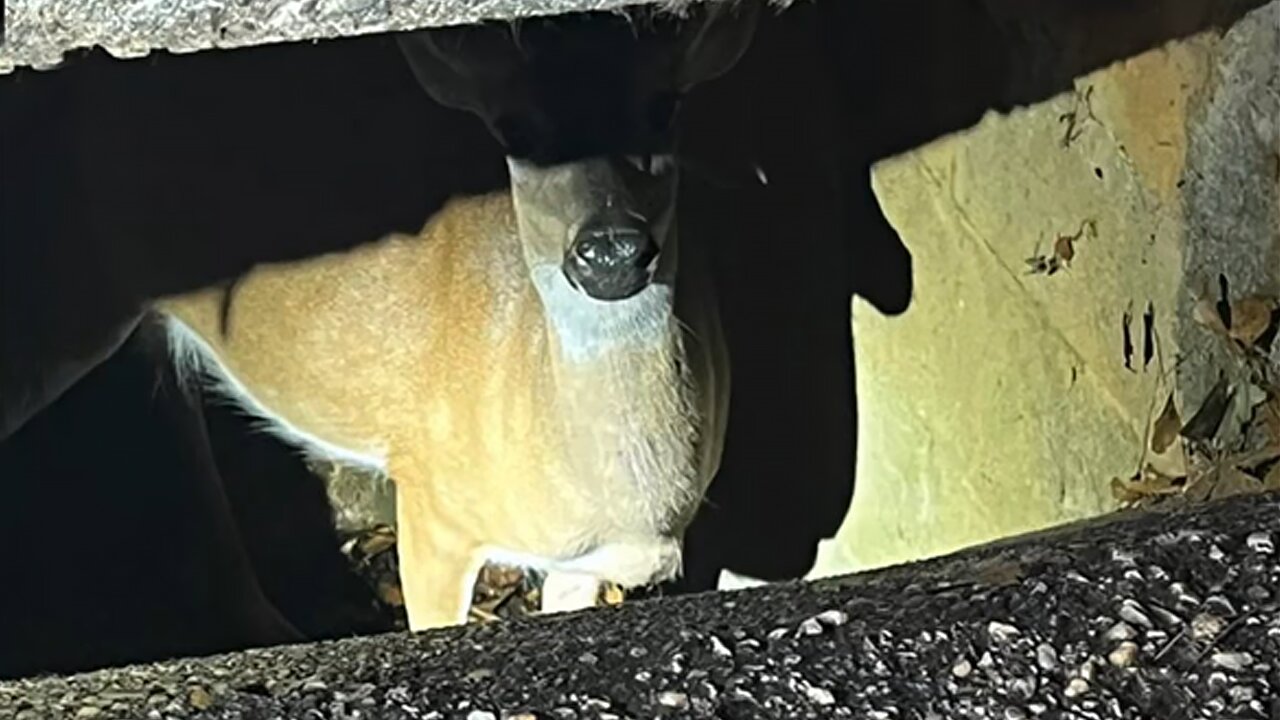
(585, 106)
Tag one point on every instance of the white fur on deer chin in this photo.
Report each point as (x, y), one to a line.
(587, 329)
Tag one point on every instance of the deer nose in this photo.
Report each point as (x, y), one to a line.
(612, 257)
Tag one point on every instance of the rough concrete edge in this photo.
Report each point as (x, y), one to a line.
(1231, 200)
(40, 32)
(963, 604)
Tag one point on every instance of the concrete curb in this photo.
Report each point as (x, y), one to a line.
(40, 32)
(1137, 615)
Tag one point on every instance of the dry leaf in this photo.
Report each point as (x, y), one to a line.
(1205, 423)
(1270, 416)
(379, 539)
(391, 594)
(1166, 427)
(1206, 314)
(611, 594)
(1229, 481)
(1272, 479)
(1250, 318)
(1149, 484)
(1064, 248)
(1250, 460)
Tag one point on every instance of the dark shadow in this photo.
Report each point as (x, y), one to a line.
(122, 180)
(827, 89)
(287, 527)
(121, 542)
(139, 531)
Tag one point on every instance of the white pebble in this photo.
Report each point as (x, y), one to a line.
(1124, 655)
(834, 618)
(673, 699)
(1002, 632)
(1260, 542)
(819, 696)
(1046, 656)
(719, 648)
(1076, 688)
(1232, 660)
(810, 627)
(1121, 631)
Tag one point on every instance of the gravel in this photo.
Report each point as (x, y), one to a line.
(1102, 619)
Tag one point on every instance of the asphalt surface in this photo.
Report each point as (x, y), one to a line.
(1154, 615)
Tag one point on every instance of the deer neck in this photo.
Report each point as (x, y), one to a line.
(623, 400)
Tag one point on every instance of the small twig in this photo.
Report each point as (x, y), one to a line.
(1072, 118)
(1230, 628)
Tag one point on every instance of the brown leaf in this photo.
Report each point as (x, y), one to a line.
(1206, 313)
(1166, 427)
(391, 594)
(1204, 424)
(1250, 318)
(1272, 479)
(379, 539)
(1150, 483)
(1064, 248)
(1229, 482)
(1270, 416)
(1248, 461)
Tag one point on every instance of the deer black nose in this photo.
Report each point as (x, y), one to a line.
(612, 256)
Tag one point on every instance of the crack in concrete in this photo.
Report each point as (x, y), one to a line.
(967, 225)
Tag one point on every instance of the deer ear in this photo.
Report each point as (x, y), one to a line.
(460, 67)
(719, 40)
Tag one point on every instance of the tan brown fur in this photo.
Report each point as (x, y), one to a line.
(433, 357)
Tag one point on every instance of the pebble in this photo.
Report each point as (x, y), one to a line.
(1015, 713)
(1002, 632)
(1131, 612)
(1207, 626)
(89, 711)
(1076, 687)
(1046, 656)
(1261, 543)
(962, 669)
(834, 618)
(1124, 655)
(1231, 660)
(200, 698)
(819, 696)
(673, 699)
(481, 715)
(719, 649)
(1121, 631)
(811, 627)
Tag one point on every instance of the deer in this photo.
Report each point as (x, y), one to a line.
(541, 370)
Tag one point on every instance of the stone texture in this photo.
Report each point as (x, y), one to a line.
(41, 31)
(1020, 629)
(1000, 401)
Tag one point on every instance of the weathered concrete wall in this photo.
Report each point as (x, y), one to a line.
(41, 31)
(1001, 401)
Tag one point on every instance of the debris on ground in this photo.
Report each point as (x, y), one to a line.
(501, 592)
(1212, 463)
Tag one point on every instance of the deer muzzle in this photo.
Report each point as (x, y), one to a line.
(612, 256)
